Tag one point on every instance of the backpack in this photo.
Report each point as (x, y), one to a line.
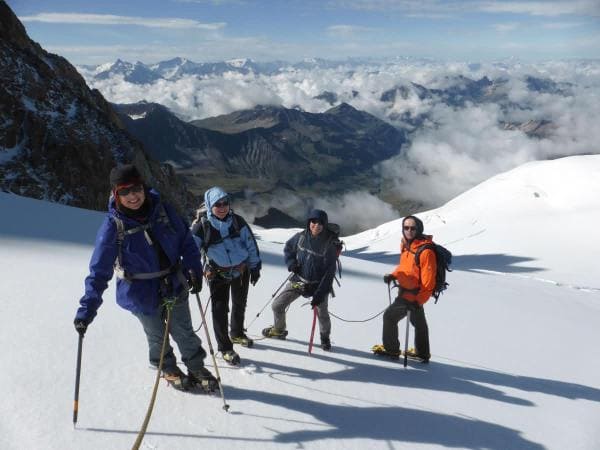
(443, 258)
(334, 231)
(163, 218)
(202, 228)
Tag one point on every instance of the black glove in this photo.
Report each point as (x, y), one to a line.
(195, 283)
(80, 326)
(388, 278)
(294, 267)
(254, 275)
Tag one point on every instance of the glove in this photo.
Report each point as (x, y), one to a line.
(254, 275)
(294, 267)
(195, 283)
(80, 326)
(388, 278)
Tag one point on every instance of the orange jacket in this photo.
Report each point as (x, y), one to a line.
(410, 277)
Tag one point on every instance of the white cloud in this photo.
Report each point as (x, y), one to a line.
(452, 151)
(562, 25)
(506, 27)
(108, 19)
(348, 31)
(543, 8)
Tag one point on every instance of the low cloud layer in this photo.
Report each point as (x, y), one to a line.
(452, 148)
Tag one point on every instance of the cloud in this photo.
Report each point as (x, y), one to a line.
(445, 9)
(348, 31)
(506, 27)
(453, 149)
(108, 19)
(562, 25)
(543, 8)
(354, 211)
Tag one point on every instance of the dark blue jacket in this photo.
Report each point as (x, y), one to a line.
(138, 256)
(316, 256)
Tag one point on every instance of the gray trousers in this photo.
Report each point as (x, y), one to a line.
(180, 329)
(394, 314)
(285, 299)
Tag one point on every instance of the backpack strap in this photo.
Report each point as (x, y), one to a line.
(420, 250)
(122, 232)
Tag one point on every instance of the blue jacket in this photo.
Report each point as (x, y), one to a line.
(226, 249)
(316, 256)
(138, 256)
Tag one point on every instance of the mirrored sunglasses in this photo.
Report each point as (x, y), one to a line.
(221, 204)
(315, 221)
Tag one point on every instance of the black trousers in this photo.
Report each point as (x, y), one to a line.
(220, 290)
(394, 314)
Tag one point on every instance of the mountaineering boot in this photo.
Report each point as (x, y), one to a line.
(176, 378)
(242, 340)
(325, 343)
(412, 353)
(380, 350)
(231, 357)
(272, 332)
(204, 379)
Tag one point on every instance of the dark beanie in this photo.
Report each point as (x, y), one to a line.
(125, 174)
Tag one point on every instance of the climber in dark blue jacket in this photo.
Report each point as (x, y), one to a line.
(150, 248)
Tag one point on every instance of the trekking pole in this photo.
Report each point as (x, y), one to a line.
(212, 352)
(389, 293)
(406, 338)
(200, 307)
(269, 301)
(312, 331)
(77, 377)
(168, 306)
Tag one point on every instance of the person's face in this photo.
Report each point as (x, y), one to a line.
(409, 229)
(132, 196)
(315, 226)
(221, 208)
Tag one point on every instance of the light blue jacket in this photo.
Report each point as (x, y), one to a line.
(226, 248)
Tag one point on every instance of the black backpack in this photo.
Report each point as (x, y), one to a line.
(334, 239)
(339, 245)
(443, 258)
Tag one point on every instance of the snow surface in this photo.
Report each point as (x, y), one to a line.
(515, 364)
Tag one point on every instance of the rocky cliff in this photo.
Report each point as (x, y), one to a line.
(58, 138)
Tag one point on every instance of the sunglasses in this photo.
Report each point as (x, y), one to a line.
(316, 221)
(221, 204)
(406, 228)
(127, 190)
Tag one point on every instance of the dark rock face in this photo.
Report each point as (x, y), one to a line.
(59, 139)
(277, 218)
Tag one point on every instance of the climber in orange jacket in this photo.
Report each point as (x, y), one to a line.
(415, 287)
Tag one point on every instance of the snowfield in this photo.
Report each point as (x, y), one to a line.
(515, 356)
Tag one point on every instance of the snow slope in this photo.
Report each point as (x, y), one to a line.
(515, 362)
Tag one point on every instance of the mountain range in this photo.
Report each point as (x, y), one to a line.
(268, 147)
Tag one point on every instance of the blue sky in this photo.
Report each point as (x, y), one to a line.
(214, 30)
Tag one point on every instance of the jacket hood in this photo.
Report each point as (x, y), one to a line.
(212, 196)
(317, 214)
(418, 222)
